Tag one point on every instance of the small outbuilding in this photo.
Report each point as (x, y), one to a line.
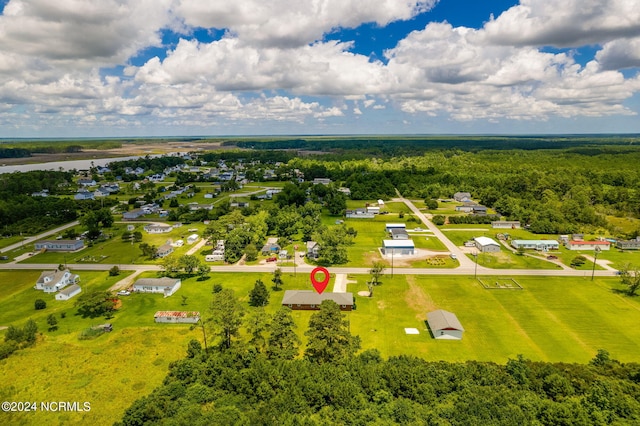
(486, 245)
(444, 325)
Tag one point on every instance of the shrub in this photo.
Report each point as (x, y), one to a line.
(40, 304)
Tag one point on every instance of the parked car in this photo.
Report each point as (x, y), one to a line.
(272, 259)
(124, 293)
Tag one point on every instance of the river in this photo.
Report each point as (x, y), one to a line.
(65, 165)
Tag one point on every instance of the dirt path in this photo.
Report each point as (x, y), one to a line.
(125, 282)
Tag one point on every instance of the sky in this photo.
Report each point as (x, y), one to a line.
(118, 68)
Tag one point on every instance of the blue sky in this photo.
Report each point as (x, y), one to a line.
(186, 67)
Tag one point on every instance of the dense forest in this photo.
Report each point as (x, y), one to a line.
(252, 373)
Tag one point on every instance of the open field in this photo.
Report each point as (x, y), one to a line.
(552, 319)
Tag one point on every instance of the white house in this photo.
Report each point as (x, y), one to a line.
(215, 256)
(445, 325)
(588, 245)
(164, 250)
(373, 209)
(52, 281)
(399, 234)
(59, 245)
(157, 228)
(359, 214)
(542, 245)
(165, 285)
(313, 249)
(505, 224)
(486, 245)
(69, 292)
(398, 247)
(192, 238)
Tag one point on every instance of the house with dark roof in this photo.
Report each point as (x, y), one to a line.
(633, 244)
(311, 300)
(399, 234)
(444, 325)
(59, 245)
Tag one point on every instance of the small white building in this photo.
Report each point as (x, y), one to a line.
(398, 247)
(399, 234)
(389, 226)
(541, 245)
(486, 245)
(192, 238)
(445, 325)
(215, 256)
(373, 209)
(69, 292)
(167, 286)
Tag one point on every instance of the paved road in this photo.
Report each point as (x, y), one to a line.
(29, 240)
(465, 262)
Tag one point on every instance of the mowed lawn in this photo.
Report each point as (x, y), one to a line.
(552, 319)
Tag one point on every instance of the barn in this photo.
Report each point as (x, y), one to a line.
(398, 247)
(444, 325)
(486, 245)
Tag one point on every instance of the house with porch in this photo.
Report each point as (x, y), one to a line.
(165, 285)
(55, 280)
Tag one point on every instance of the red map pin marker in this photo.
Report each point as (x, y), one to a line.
(320, 286)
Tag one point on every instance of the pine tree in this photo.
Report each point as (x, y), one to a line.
(283, 342)
(259, 296)
(329, 337)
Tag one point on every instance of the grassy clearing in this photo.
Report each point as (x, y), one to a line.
(558, 319)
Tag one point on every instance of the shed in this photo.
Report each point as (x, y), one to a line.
(444, 325)
(310, 300)
(389, 226)
(486, 245)
(399, 234)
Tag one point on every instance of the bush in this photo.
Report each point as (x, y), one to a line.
(438, 220)
(40, 304)
(115, 271)
(578, 261)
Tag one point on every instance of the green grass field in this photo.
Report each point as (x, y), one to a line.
(552, 319)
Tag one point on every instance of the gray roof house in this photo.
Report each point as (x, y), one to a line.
(310, 300)
(55, 280)
(59, 245)
(313, 249)
(164, 250)
(69, 292)
(445, 325)
(165, 285)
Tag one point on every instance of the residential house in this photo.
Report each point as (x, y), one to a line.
(540, 245)
(373, 209)
(59, 245)
(389, 226)
(444, 325)
(398, 247)
(69, 292)
(86, 182)
(466, 207)
(345, 191)
(84, 194)
(133, 214)
(505, 224)
(588, 245)
(55, 280)
(195, 206)
(177, 317)
(101, 192)
(157, 228)
(486, 245)
(323, 181)
(164, 250)
(311, 300)
(270, 247)
(359, 214)
(42, 193)
(192, 238)
(239, 204)
(164, 285)
(462, 196)
(633, 244)
(313, 249)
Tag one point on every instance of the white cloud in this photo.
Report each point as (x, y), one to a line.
(619, 54)
(566, 23)
(285, 23)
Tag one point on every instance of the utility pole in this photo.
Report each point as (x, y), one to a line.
(595, 259)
